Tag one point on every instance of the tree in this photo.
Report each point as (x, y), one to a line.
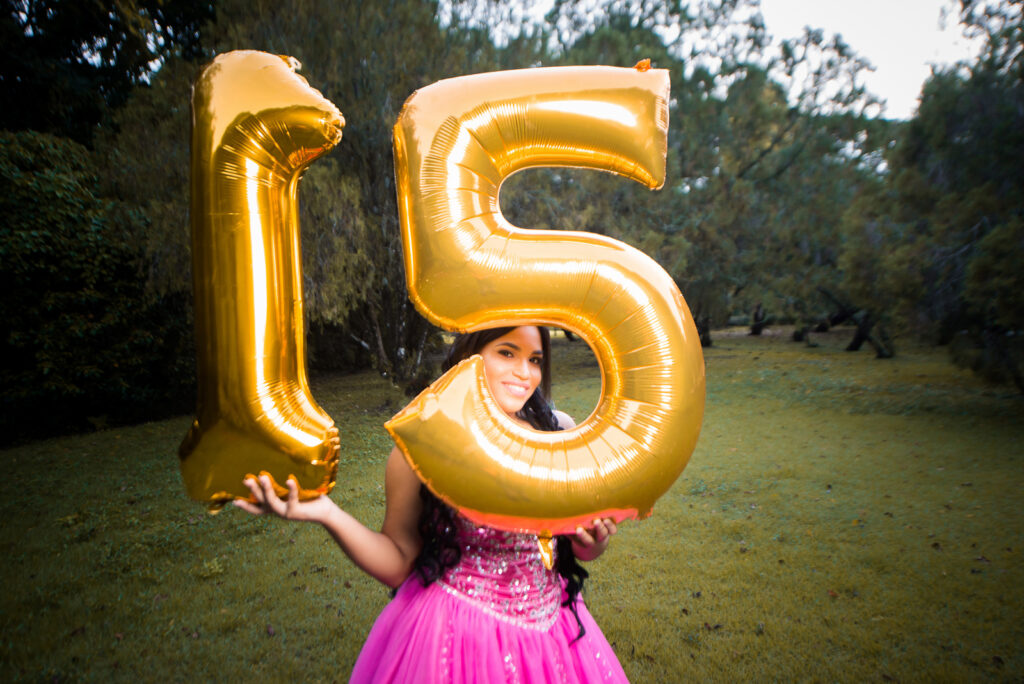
(80, 339)
(757, 184)
(67, 63)
(938, 243)
(367, 58)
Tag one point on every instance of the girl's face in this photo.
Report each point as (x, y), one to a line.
(512, 365)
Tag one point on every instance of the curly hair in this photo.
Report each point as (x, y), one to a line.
(437, 520)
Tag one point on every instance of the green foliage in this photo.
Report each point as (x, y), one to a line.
(937, 247)
(994, 282)
(79, 339)
(367, 58)
(66, 63)
(756, 186)
(145, 167)
(773, 194)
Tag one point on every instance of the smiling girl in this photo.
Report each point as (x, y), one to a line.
(472, 603)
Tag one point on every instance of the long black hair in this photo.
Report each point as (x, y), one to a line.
(437, 521)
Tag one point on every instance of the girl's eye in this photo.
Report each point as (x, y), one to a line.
(506, 353)
(536, 360)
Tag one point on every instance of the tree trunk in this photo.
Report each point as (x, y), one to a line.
(844, 311)
(994, 340)
(386, 366)
(704, 330)
(880, 342)
(757, 320)
(803, 334)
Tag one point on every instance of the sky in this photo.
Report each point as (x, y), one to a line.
(900, 38)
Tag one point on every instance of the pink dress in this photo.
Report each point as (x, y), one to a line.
(494, 617)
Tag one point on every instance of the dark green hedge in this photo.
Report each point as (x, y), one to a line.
(83, 343)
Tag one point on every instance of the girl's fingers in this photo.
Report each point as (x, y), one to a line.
(584, 537)
(293, 496)
(608, 525)
(248, 506)
(254, 488)
(266, 499)
(270, 497)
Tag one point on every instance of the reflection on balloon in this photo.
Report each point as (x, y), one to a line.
(256, 125)
(467, 268)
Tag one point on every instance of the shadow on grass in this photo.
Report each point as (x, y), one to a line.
(842, 518)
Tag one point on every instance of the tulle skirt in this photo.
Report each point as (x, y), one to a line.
(427, 634)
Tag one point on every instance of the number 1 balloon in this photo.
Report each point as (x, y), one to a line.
(467, 268)
(256, 125)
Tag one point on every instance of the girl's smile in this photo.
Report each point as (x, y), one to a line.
(512, 364)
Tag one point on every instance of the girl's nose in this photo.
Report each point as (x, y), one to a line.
(522, 369)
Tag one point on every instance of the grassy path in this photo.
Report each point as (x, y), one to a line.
(842, 519)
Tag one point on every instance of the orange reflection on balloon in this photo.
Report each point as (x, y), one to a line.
(256, 125)
(467, 268)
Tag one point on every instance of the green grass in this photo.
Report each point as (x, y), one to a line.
(842, 519)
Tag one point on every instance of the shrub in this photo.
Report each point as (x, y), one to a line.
(82, 343)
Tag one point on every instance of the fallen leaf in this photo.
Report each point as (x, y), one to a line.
(270, 630)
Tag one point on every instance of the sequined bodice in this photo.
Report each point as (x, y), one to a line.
(503, 574)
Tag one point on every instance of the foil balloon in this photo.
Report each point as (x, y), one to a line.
(256, 124)
(467, 268)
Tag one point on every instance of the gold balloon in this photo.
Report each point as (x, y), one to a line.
(467, 268)
(256, 124)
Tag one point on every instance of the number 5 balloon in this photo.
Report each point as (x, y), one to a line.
(256, 125)
(467, 268)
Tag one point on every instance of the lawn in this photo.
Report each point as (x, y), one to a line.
(842, 519)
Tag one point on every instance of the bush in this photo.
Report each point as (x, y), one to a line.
(83, 344)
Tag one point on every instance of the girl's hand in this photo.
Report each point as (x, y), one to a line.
(267, 501)
(588, 544)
